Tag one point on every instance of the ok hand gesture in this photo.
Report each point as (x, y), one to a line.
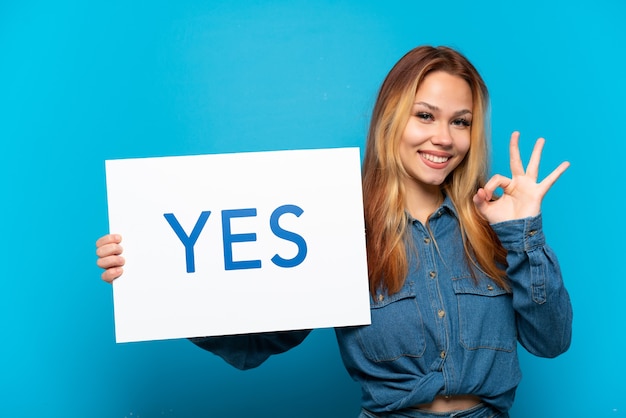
(522, 195)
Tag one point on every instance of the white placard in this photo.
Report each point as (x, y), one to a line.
(238, 243)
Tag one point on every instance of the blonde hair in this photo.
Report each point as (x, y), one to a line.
(383, 192)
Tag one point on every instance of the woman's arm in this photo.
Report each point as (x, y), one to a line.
(242, 351)
(542, 305)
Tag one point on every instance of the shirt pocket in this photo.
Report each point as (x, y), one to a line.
(486, 315)
(396, 330)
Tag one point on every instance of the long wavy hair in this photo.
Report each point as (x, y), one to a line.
(383, 192)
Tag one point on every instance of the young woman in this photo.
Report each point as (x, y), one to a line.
(457, 275)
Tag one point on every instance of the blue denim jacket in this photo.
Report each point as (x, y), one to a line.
(445, 332)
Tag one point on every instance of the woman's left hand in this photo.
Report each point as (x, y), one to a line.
(522, 194)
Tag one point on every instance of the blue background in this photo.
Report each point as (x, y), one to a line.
(81, 82)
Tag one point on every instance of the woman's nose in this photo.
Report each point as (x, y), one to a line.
(442, 136)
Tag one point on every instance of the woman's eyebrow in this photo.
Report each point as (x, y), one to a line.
(428, 105)
(462, 112)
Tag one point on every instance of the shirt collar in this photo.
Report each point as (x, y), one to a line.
(447, 206)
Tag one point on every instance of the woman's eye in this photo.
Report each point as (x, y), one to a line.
(462, 123)
(425, 116)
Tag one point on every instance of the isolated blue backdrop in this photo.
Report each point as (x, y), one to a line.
(81, 82)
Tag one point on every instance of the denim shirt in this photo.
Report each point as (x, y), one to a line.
(446, 331)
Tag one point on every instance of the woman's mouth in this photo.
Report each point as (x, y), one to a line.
(437, 159)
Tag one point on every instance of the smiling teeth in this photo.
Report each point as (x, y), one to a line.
(435, 159)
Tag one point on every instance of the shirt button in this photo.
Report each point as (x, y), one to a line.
(381, 298)
(441, 313)
(489, 287)
(442, 354)
(426, 240)
(432, 274)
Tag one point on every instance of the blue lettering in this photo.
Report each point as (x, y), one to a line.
(229, 238)
(288, 236)
(188, 241)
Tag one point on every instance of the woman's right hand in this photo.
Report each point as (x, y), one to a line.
(109, 252)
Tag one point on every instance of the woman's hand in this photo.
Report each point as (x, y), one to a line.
(109, 252)
(522, 194)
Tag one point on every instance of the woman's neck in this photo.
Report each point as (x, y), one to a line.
(421, 202)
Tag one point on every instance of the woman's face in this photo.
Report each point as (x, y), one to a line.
(437, 135)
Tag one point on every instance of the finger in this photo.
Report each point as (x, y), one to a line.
(517, 168)
(112, 274)
(109, 249)
(495, 182)
(547, 183)
(111, 261)
(480, 199)
(109, 239)
(532, 170)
